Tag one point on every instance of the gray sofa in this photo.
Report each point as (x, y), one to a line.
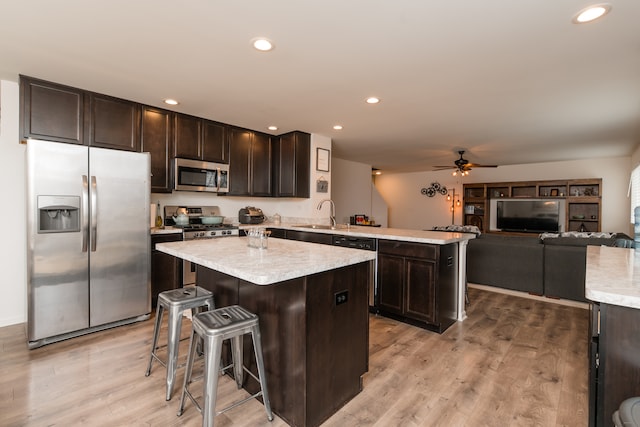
(553, 266)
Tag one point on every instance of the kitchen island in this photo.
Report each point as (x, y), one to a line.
(613, 284)
(312, 304)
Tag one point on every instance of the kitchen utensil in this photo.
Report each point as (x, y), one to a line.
(211, 219)
(181, 219)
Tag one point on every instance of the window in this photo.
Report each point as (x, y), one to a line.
(634, 190)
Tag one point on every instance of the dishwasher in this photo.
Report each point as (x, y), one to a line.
(367, 244)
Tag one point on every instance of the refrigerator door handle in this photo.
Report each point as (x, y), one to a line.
(94, 213)
(85, 212)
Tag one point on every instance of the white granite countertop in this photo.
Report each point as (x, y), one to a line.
(613, 276)
(166, 230)
(400, 234)
(283, 260)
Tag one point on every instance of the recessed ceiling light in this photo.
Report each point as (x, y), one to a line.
(273, 128)
(373, 100)
(338, 127)
(262, 44)
(591, 13)
(171, 102)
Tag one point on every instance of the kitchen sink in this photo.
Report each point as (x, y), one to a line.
(323, 226)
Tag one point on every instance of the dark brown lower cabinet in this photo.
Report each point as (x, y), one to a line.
(166, 270)
(417, 283)
(614, 365)
(315, 348)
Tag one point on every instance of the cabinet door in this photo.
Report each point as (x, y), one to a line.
(391, 283)
(215, 145)
(157, 140)
(166, 270)
(261, 165)
(291, 165)
(420, 295)
(187, 131)
(239, 151)
(113, 123)
(52, 112)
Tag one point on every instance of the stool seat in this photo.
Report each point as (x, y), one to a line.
(176, 301)
(214, 327)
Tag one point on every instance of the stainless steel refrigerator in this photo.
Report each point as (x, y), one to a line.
(88, 260)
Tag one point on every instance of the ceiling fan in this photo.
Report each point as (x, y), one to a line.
(463, 166)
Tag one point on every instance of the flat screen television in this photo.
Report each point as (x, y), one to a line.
(528, 216)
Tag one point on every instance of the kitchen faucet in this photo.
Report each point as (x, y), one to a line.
(332, 217)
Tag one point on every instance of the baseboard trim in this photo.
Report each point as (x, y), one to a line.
(530, 296)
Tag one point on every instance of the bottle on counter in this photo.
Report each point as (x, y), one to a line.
(276, 219)
(158, 217)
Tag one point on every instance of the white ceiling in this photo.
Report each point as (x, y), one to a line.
(511, 82)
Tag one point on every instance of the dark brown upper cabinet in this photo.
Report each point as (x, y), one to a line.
(157, 139)
(215, 142)
(291, 169)
(200, 139)
(188, 130)
(50, 111)
(113, 123)
(249, 163)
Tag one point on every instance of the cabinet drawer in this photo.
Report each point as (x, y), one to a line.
(414, 250)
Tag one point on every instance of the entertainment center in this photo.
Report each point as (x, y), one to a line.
(534, 206)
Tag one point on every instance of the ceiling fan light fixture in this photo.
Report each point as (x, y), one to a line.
(591, 13)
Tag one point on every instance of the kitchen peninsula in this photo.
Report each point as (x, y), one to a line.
(312, 301)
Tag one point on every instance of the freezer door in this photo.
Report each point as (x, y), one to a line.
(57, 267)
(119, 254)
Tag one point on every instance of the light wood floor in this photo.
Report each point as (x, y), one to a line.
(513, 362)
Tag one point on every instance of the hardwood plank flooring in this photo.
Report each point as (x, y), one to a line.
(513, 362)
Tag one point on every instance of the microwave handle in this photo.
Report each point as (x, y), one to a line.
(218, 179)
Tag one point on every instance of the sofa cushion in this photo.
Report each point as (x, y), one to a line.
(578, 241)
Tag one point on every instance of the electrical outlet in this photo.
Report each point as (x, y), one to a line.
(341, 297)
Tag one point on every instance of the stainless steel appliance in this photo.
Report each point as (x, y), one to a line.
(196, 230)
(88, 249)
(368, 244)
(195, 175)
(250, 215)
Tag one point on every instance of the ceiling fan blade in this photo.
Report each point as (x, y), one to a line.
(475, 165)
(444, 167)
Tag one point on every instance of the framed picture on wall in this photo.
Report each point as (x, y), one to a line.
(322, 159)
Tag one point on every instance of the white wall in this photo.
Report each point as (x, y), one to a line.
(13, 251)
(352, 192)
(410, 209)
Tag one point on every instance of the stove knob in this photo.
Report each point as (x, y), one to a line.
(213, 233)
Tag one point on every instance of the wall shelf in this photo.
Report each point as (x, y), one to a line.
(583, 200)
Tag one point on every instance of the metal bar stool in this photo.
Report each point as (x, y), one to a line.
(176, 301)
(214, 327)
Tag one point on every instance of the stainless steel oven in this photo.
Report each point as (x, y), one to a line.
(195, 175)
(196, 230)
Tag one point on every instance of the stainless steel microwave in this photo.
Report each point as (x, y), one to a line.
(196, 175)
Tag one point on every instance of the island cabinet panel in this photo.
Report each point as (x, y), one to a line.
(315, 342)
(50, 111)
(157, 140)
(113, 123)
(166, 270)
(417, 283)
(614, 362)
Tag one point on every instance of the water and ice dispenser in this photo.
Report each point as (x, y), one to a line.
(58, 214)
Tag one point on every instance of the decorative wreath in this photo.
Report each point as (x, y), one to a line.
(434, 189)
